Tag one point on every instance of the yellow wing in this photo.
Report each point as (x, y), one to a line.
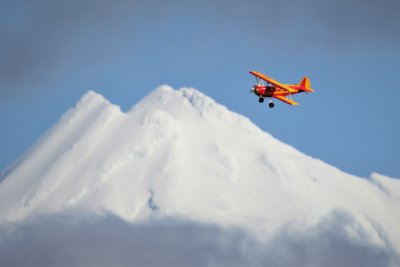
(286, 100)
(271, 81)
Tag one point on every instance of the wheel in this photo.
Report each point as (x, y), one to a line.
(261, 99)
(271, 105)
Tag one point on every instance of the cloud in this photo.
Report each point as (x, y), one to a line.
(355, 24)
(38, 38)
(327, 244)
(109, 241)
(71, 240)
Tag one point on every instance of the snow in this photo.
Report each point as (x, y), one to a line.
(178, 153)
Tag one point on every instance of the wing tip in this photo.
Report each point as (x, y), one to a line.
(253, 72)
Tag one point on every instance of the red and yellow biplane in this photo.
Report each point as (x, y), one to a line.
(269, 88)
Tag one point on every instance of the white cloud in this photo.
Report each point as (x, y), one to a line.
(76, 240)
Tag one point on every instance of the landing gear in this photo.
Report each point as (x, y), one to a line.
(261, 100)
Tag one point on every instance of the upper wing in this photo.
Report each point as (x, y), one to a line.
(271, 81)
(286, 100)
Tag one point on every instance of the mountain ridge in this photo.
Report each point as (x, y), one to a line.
(179, 153)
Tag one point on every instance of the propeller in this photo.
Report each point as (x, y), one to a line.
(252, 90)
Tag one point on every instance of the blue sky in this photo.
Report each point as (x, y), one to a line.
(53, 51)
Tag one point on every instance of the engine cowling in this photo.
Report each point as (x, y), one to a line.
(259, 90)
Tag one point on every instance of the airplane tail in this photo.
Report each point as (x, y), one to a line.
(305, 85)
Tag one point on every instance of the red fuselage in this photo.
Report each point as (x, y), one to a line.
(271, 90)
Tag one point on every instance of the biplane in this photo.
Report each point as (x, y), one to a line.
(267, 87)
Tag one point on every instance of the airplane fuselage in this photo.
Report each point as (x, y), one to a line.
(271, 90)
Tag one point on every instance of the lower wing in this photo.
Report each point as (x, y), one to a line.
(286, 100)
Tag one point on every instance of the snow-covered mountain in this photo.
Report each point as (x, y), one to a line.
(178, 154)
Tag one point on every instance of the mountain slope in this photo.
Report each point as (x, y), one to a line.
(177, 153)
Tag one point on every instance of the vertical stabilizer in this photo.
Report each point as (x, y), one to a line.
(305, 85)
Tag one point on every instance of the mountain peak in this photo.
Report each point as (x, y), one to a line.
(197, 99)
(91, 97)
(167, 98)
(179, 153)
